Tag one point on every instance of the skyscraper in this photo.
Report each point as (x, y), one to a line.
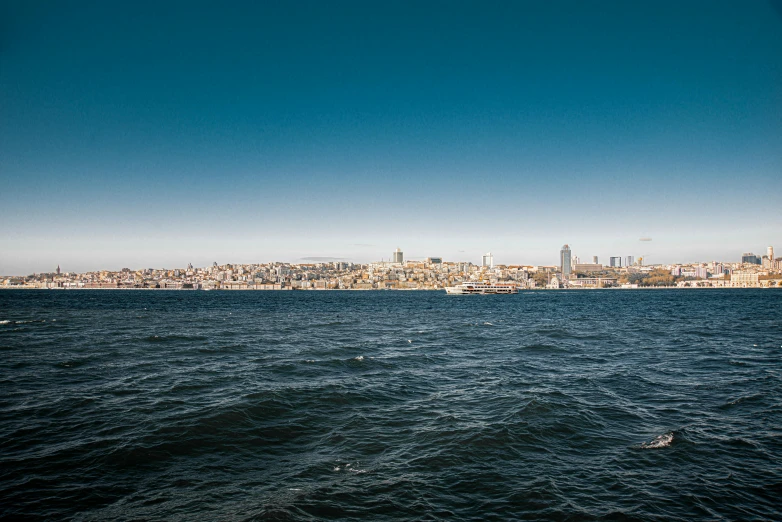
(564, 260)
(488, 260)
(615, 262)
(768, 259)
(629, 261)
(594, 260)
(398, 256)
(749, 257)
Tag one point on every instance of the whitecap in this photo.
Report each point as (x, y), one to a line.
(661, 441)
(337, 468)
(488, 324)
(359, 358)
(409, 340)
(5, 321)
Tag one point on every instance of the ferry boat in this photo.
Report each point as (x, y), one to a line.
(482, 288)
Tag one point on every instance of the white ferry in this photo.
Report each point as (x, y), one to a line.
(482, 288)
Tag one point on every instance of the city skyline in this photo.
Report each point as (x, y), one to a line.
(260, 132)
(399, 256)
(433, 273)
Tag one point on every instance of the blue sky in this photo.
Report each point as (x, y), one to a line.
(146, 135)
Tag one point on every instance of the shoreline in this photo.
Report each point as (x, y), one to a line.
(387, 289)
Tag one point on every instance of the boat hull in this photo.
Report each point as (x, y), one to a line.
(481, 289)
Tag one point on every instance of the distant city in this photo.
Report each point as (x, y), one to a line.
(432, 273)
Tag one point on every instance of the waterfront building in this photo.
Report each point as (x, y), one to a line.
(488, 260)
(744, 279)
(564, 260)
(592, 282)
(398, 256)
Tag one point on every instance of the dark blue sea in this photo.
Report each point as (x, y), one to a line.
(579, 405)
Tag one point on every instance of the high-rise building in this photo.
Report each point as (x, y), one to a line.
(770, 253)
(615, 262)
(398, 256)
(488, 260)
(629, 261)
(749, 257)
(594, 260)
(564, 260)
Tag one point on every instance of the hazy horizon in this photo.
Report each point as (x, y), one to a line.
(160, 135)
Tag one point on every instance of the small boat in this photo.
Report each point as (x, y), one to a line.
(482, 289)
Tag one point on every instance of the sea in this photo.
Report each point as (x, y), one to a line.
(391, 405)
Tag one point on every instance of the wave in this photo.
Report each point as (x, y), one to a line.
(349, 467)
(740, 400)
(170, 338)
(661, 441)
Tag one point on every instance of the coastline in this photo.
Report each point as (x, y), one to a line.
(521, 290)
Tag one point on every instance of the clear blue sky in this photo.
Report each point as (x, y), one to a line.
(153, 134)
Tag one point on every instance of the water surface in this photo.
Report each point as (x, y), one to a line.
(391, 405)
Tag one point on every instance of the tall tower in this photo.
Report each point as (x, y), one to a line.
(594, 260)
(58, 266)
(398, 256)
(564, 260)
(771, 253)
(488, 260)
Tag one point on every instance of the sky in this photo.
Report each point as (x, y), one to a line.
(157, 134)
